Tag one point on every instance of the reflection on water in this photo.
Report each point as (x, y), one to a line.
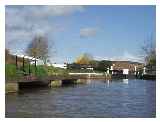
(125, 81)
(126, 98)
(108, 83)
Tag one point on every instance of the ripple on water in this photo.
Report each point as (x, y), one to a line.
(136, 98)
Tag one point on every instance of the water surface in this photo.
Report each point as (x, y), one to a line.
(96, 98)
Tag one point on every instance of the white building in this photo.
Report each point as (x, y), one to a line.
(63, 66)
(90, 68)
(125, 71)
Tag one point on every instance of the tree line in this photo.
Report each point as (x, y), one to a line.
(87, 61)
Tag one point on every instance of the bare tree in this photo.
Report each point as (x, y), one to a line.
(149, 50)
(39, 48)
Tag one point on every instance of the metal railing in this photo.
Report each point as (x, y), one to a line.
(29, 60)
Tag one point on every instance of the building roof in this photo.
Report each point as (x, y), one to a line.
(120, 65)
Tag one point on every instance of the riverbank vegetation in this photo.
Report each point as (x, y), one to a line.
(149, 54)
(85, 63)
(13, 73)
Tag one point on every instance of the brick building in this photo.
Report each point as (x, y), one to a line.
(119, 66)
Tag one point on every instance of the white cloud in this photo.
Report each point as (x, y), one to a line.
(54, 10)
(125, 57)
(24, 22)
(36, 12)
(88, 32)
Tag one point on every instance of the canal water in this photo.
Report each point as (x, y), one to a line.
(96, 98)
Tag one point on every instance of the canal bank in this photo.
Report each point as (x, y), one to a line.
(73, 78)
(13, 86)
(48, 81)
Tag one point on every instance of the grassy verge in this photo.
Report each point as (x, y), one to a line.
(12, 73)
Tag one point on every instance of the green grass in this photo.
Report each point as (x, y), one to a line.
(12, 73)
(38, 71)
(56, 71)
(83, 71)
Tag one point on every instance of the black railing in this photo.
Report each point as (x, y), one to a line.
(23, 65)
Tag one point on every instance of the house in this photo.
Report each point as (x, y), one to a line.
(126, 67)
(79, 66)
(86, 66)
(63, 66)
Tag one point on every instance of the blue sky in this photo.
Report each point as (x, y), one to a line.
(105, 32)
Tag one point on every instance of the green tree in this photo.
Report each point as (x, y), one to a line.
(103, 65)
(94, 63)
